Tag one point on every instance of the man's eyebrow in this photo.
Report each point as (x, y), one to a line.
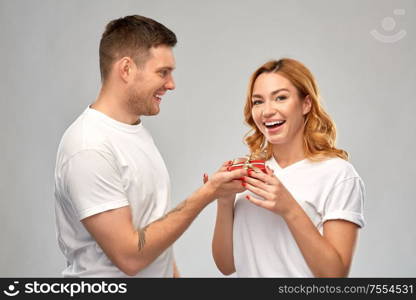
(166, 68)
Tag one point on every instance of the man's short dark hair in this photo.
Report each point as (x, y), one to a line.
(131, 36)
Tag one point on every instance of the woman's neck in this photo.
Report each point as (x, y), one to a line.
(289, 153)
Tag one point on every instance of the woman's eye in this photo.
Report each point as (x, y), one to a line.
(281, 98)
(256, 102)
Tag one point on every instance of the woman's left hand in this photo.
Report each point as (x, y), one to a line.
(276, 197)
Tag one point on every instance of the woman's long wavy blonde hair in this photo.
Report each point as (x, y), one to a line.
(319, 134)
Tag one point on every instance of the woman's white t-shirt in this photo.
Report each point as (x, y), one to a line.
(263, 243)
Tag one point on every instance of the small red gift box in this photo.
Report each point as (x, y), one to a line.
(247, 163)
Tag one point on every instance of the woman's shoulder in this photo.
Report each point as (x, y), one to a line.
(336, 166)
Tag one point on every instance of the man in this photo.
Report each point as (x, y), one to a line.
(112, 188)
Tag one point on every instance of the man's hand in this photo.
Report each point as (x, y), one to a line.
(224, 183)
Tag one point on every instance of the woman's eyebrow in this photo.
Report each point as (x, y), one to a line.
(256, 96)
(278, 91)
(272, 93)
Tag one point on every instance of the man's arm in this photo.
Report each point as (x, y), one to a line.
(132, 249)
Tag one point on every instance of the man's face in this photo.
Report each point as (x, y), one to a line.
(151, 82)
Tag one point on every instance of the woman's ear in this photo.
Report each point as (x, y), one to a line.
(307, 105)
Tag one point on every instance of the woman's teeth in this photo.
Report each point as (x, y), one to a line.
(273, 124)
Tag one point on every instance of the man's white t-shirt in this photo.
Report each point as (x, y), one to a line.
(103, 164)
(263, 244)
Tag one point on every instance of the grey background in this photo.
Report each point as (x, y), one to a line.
(49, 74)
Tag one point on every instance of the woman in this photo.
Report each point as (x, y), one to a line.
(301, 219)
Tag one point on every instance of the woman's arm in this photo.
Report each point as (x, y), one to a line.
(222, 242)
(327, 255)
(176, 273)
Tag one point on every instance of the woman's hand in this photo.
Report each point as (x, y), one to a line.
(276, 197)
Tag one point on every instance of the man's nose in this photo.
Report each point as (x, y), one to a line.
(170, 84)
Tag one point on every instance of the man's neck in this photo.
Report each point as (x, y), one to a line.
(111, 104)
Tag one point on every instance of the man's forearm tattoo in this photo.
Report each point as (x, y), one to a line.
(176, 209)
(142, 232)
(142, 238)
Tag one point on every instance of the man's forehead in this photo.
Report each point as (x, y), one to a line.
(162, 55)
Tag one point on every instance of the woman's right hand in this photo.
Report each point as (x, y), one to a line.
(224, 183)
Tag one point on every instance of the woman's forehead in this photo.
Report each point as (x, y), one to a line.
(269, 82)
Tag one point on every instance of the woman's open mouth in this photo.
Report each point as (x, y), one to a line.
(274, 124)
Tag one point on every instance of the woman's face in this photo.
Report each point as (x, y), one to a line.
(277, 109)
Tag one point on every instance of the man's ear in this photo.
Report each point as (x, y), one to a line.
(307, 104)
(125, 68)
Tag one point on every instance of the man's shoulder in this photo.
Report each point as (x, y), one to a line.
(86, 132)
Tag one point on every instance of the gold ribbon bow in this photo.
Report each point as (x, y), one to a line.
(247, 164)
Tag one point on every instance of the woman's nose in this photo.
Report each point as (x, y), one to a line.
(268, 110)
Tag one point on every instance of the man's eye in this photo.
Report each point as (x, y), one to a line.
(163, 73)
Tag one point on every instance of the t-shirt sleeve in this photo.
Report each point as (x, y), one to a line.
(93, 184)
(346, 201)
